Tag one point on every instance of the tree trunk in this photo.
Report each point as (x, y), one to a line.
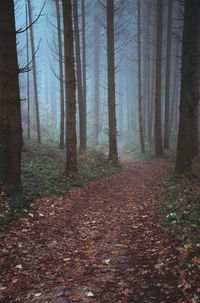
(28, 76)
(168, 74)
(96, 79)
(84, 129)
(79, 79)
(194, 131)
(141, 126)
(153, 84)
(188, 96)
(34, 75)
(158, 126)
(176, 88)
(144, 45)
(113, 153)
(62, 101)
(10, 112)
(148, 76)
(71, 154)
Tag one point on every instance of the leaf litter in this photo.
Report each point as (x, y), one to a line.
(100, 243)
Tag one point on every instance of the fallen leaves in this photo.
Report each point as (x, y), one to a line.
(89, 294)
(38, 294)
(107, 261)
(158, 266)
(196, 261)
(19, 266)
(188, 246)
(101, 243)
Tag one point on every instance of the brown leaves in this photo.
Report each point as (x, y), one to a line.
(196, 261)
(101, 243)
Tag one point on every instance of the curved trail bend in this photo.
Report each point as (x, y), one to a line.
(102, 243)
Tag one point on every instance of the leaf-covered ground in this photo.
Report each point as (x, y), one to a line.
(101, 243)
(43, 175)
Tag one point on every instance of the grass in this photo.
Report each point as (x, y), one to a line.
(43, 174)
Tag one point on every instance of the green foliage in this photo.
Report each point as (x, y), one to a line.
(180, 209)
(43, 174)
(94, 165)
(137, 154)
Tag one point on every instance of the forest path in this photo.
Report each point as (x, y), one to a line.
(102, 243)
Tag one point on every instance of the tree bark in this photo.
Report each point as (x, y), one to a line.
(10, 112)
(34, 75)
(28, 76)
(188, 96)
(148, 75)
(71, 153)
(176, 87)
(84, 129)
(159, 34)
(140, 107)
(62, 99)
(168, 74)
(96, 79)
(113, 153)
(79, 79)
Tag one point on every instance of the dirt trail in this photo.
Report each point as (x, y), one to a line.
(102, 243)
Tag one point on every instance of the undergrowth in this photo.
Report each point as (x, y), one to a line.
(43, 174)
(149, 153)
(137, 154)
(180, 211)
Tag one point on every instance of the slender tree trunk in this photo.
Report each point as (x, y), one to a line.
(188, 96)
(176, 87)
(144, 44)
(148, 85)
(10, 111)
(152, 85)
(34, 75)
(62, 101)
(158, 126)
(79, 79)
(113, 153)
(96, 80)
(71, 154)
(141, 126)
(129, 130)
(28, 76)
(84, 130)
(168, 74)
(132, 104)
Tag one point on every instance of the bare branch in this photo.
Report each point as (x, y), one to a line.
(27, 68)
(20, 31)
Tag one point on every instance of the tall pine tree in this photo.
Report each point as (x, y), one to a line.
(10, 113)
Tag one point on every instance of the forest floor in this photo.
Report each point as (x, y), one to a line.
(100, 243)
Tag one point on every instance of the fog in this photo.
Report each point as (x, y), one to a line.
(46, 59)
